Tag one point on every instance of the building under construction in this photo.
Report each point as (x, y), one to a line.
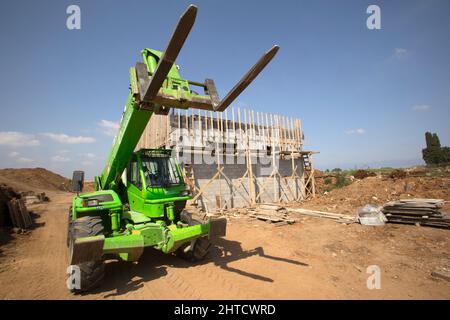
(236, 158)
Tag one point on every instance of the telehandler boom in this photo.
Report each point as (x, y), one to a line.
(140, 195)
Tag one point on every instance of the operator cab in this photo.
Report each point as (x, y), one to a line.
(154, 181)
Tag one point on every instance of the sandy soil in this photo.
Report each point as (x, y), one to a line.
(313, 258)
(33, 179)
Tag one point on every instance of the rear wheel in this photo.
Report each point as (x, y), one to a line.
(92, 272)
(198, 248)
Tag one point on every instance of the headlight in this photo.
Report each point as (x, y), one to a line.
(92, 203)
(184, 193)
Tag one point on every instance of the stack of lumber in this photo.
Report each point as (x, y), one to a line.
(271, 213)
(338, 217)
(425, 212)
(19, 214)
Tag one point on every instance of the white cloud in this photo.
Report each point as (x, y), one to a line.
(15, 155)
(108, 127)
(18, 139)
(356, 131)
(59, 158)
(64, 138)
(400, 52)
(89, 155)
(24, 160)
(421, 107)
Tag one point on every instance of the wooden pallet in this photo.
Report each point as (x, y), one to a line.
(19, 214)
(274, 214)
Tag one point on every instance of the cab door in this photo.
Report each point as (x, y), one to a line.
(134, 186)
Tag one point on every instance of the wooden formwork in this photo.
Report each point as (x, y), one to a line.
(249, 133)
(246, 128)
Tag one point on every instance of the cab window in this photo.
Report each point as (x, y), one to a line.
(133, 174)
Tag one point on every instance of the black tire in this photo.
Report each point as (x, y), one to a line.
(92, 272)
(199, 247)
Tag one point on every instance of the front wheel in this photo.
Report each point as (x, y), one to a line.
(91, 273)
(198, 248)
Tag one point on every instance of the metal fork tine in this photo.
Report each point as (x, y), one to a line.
(247, 79)
(169, 56)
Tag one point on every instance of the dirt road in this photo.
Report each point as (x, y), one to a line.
(255, 260)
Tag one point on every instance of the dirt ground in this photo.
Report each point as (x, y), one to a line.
(312, 259)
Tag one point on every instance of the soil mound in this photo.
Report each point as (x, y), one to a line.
(34, 179)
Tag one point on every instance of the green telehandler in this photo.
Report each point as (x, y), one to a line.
(140, 195)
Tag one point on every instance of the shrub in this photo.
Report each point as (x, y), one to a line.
(341, 181)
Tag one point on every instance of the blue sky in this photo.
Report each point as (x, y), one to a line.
(365, 97)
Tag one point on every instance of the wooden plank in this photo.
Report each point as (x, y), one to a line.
(281, 223)
(25, 214)
(321, 214)
(412, 212)
(203, 188)
(266, 217)
(442, 274)
(18, 216)
(268, 206)
(12, 214)
(423, 200)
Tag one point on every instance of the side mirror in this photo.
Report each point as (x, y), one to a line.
(77, 181)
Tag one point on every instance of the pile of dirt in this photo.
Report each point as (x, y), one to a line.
(34, 179)
(397, 174)
(362, 174)
(379, 190)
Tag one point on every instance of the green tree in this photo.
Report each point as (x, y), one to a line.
(434, 154)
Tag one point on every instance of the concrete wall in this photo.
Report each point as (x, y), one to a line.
(227, 192)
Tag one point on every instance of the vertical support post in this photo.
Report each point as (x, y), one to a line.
(240, 127)
(234, 125)
(227, 138)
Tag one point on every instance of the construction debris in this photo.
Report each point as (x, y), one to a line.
(270, 206)
(271, 213)
(342, 218)
(19, 214)
(425, 212)
(281, 216)
(442, 273)
(32, 198)
(371, 215)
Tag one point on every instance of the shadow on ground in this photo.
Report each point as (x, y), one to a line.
(120, 276)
